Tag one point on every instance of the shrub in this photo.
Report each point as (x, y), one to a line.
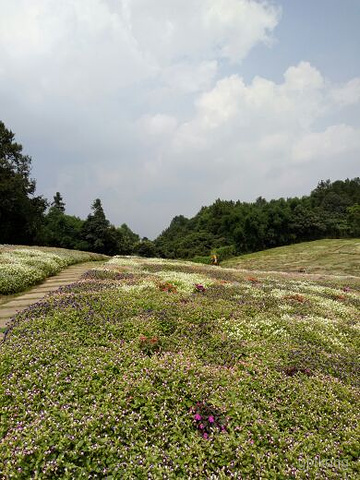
(204, 260)
(223, 253)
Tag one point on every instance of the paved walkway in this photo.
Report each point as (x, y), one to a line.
(22, 301)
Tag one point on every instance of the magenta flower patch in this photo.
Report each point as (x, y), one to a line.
(208, 419)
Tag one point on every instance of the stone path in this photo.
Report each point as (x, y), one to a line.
(22, 301)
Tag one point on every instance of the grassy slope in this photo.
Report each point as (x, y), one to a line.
(331, 257)
(104, 378)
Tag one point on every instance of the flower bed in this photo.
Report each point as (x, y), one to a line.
(123, 376)
(21, 268)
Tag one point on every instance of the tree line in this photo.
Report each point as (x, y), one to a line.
(332, 210)
(29, 219)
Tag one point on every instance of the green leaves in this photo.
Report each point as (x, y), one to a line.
(20, 212)
(104, 378)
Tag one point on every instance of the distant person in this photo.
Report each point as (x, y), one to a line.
(214, 260)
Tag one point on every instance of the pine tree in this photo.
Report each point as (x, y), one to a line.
(96, 229)
(58, 203)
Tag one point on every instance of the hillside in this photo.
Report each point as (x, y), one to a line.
(332, 210)
(330, 257)
(158, 369)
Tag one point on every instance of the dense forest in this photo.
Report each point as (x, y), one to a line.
(332, 210)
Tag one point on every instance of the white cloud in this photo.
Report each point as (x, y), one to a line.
(226, 18)
(95, 47)
(335, 141)
(221, 104)
(262, 133)
(156, 125)
(142, 103)
(200, 29)
(303, 77)
(78, 50)
(189, 78)
(260, 108)
(348, 94)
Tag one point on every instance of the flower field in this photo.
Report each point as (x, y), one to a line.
(155, 369)
(22, 267)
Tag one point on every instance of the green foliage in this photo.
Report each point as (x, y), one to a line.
(145, 248)
(128, 240)
(95, 230)
(114, 377)
(20, 211)
(223, 253)
(94, 234)
(102, 237)
(58, 203)
(353, 220)
(61, 230)
(256, 226)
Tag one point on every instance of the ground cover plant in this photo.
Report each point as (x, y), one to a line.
(156, 369)
(22, 267)
(330, 256)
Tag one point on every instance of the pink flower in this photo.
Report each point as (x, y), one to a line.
(205, 435)
(201, 426)
(197, 417)
(211, 419)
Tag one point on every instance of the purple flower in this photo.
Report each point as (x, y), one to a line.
(205, 435)
(197, 417)
(199, 287)
(211, 419)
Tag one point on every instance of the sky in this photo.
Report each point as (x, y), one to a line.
(159, 107)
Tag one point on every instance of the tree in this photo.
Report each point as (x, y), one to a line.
(95, 228)
(61, 230)
(254, 229)
(127, 240)
(99, 235)
(354, 220)
(319, 193)
(21, 213)
(145, 248)
(58, 203)
(306, 224)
